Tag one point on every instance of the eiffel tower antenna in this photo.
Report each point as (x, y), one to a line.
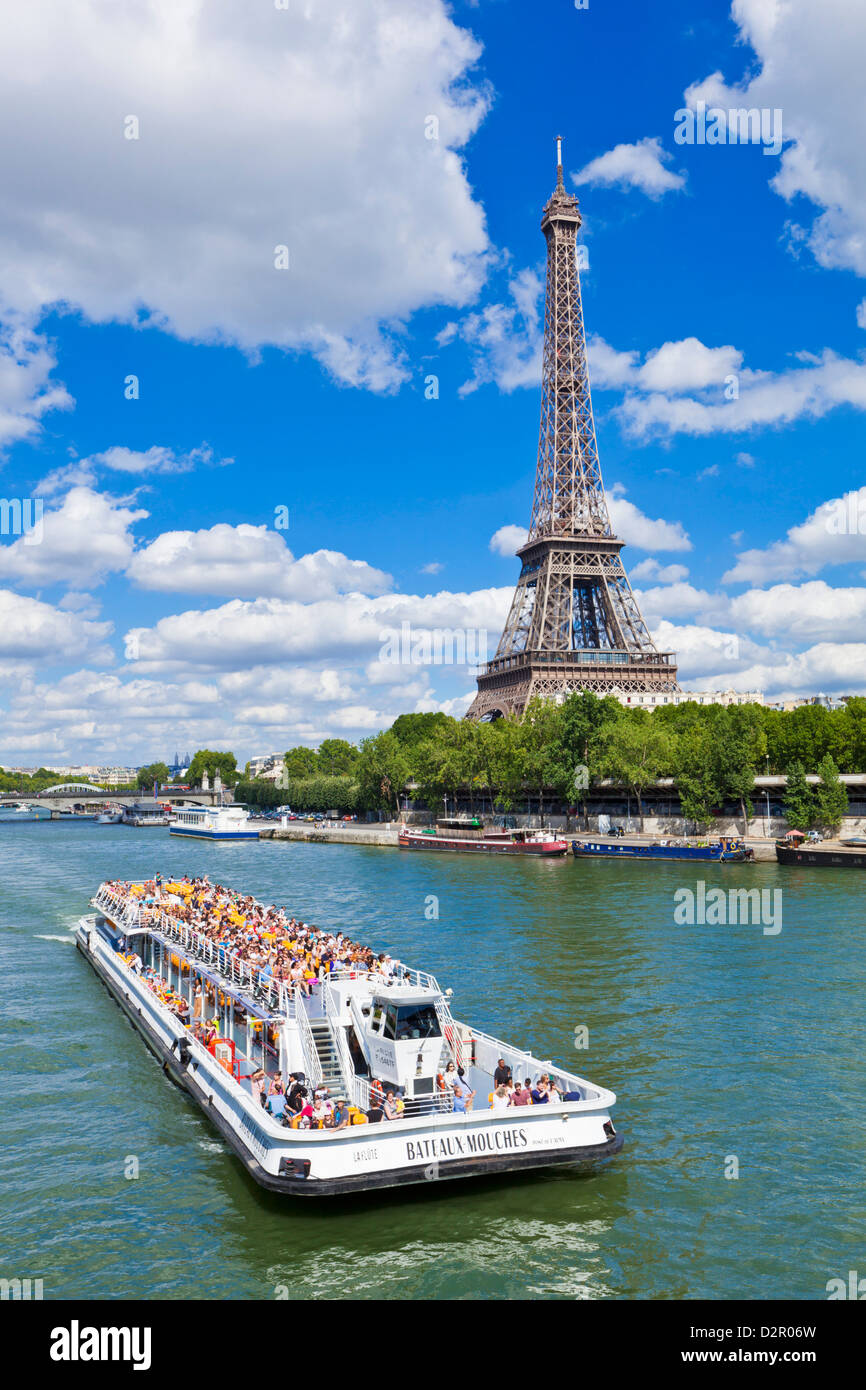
(574, 622)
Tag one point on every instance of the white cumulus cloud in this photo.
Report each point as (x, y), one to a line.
(164, 153)
(248, 562)
(87, 537)
(641, 166)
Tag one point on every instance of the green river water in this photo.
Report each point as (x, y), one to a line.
(721, 1042)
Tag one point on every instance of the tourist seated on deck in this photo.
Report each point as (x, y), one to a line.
(521, 1094)
(276, 1105)
(297, 1083)
(540, 1094)
(296, 1098)
(340, 1114)
(302, 1113)
(320, 1113)
(499, 1099)
(449, 1077)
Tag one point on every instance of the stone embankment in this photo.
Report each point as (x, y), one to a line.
(333, 832)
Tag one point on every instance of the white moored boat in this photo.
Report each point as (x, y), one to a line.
(214, 823)
(360, 1034)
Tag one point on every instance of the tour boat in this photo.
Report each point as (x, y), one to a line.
(359, 1034)
(22, 812)
(726, 850)
(145, 813)
(471, 837)
(112, 815)
(214, 823)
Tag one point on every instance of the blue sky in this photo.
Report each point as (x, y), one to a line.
(132, 626)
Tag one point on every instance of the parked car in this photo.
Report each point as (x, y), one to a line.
(350, 818)
(617, 831)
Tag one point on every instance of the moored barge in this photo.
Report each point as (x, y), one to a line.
(726, 850)
(840, 854)
(356, 1034)
(471, 836)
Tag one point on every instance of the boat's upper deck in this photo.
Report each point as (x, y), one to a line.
(364, 1024)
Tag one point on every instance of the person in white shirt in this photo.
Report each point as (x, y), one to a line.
(500, 1098)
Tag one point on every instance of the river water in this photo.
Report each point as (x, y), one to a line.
(732, 1049)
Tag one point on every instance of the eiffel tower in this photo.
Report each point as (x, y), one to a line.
(574, 622)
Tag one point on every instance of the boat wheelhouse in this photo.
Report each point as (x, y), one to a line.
(471, 836)
(358, 1035)
(214, 823)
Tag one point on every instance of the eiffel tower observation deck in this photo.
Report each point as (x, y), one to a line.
(574, 622)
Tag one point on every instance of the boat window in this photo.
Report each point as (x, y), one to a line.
(376, 1021)
(417, 1021)
(390, 1029)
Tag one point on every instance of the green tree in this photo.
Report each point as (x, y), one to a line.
(502, 761)
(799, 803)
(301, 761)
(382, 771)
(831, 796)
(542, 763)
(212, 762)
(412, 729)
(153, 772)
(583, 719)
(740, 745)
(636, 751)
(694, 769)
(336, 757)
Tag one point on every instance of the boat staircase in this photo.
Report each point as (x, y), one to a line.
(329, 1058)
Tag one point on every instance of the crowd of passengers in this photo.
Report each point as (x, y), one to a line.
(291, 952)
(279, 947)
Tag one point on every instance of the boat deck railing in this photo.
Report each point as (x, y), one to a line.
(487, 1050)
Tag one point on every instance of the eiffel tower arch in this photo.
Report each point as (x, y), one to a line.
(574, 623)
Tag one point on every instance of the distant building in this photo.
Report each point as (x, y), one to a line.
(644, 699)
(827, 701)
(266, 765)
